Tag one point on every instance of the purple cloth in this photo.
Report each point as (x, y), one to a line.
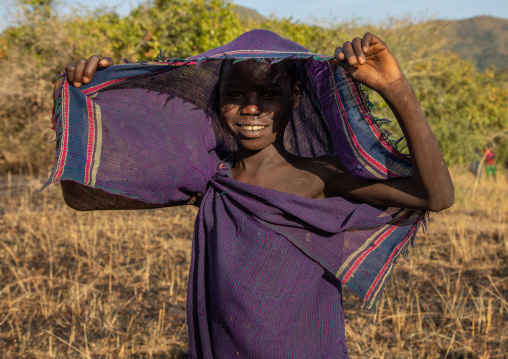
(267, 267)
(262, 281)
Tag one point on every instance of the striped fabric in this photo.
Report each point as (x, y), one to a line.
(267, 266)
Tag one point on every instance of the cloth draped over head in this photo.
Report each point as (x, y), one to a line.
(151, 131)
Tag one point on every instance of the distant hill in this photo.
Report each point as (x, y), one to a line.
(482, 40)
(249, 13)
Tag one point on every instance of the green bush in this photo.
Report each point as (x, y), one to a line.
(466, 108)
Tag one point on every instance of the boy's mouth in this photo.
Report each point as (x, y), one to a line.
(251, 131)
(252, 127)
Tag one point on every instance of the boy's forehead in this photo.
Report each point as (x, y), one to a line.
(253, 70)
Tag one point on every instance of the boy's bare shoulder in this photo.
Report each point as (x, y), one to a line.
(323, 166)
(310, 177)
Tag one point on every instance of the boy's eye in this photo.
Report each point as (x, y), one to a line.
(269, 94)
(235, 94)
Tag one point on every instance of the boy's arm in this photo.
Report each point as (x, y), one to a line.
(369, 61)
(83, 198)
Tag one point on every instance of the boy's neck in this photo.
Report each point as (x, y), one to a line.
(252, 163)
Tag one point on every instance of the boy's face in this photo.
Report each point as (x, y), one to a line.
(256, 102)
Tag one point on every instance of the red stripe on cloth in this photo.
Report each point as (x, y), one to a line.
(91, 139)
(376, 244)
(374, 128)
(246, 52)
(183, 63)
(98, 87)
(388, 261)
(65, 132)
(365, 155)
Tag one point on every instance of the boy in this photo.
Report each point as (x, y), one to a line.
(284, 221)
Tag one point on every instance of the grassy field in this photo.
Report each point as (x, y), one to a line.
(113, 284)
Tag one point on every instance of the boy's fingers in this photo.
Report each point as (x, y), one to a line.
(339, 53)
(350, 54)
(366, 41)
(357, 47)
(70, 72)
(78, 72)
(82, 71)
(105, 62)
(90, 68)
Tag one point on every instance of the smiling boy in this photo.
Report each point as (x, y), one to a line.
(256, 102)
(278, 233)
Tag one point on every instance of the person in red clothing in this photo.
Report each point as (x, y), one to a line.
(490, 161)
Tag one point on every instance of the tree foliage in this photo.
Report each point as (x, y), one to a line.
(465, 108)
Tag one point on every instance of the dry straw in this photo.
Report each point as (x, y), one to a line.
(113, 284)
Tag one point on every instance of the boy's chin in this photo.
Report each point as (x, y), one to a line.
(252, 144)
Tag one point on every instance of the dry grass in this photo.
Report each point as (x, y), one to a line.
(451, 299)
(112, 284)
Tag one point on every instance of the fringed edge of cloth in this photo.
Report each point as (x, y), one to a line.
(57, 116)
(373, 294)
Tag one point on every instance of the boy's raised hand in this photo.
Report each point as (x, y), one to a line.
(81, 71)
(369, 61)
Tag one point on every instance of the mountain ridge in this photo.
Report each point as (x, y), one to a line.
(483, 39)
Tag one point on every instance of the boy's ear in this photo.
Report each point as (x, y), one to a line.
(297, 95)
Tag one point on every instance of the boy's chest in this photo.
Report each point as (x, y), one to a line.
(295, 181)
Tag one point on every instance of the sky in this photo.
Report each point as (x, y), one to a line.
(376, 11)
(373, 11)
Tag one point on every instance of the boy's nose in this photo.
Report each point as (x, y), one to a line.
(251, 105)
(251, 110)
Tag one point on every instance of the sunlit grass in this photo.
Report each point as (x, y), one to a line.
(113, 284)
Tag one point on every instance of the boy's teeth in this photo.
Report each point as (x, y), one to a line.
(253, 128)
